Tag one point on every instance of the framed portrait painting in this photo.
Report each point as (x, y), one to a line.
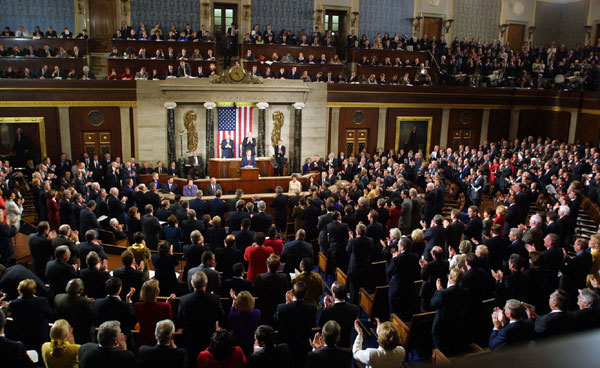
(413, 133)
(22, 139)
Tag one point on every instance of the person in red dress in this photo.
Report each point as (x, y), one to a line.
(148, 312)
(221, 352)
(52, 202)
(256, 256)
(395, 214)
(274, 241)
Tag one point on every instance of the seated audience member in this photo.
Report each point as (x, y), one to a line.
(325, 352)
(149, 313)
(14, 354)
(77, 309)
(510, 327)
(243, 320)
(61, 351)
(164, 263)
(164, 353)
(389, 351)
(266, 353)
(111, 348)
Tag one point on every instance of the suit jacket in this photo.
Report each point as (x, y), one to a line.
(497, 248)
(454, 233)
(249, 144)
(40, 247)
(534, 236)
(405, 220)
(227, 152)
(198, 312)
(226, 257)
(13, 275)
(359, 249)
(248, 162)
(131, 278)
(200, 206)
(58, 274)
(151, 229)
(293, 252)
(79, 312)
(234, 220)
(87, 221)
(430, 205)
(329, 357)
(277, 356)
(93, 355)
(116, 209)
(84, 248)
(217, 207)
(402, 271)
(344, 314)
(337, 234)
(14, 354)
(209, 191)
(449, 319)
(438, 268)
(160, 356)
(151, 197)
(417, 207)
(270, 290)
(31, 316)
(280, 208)
(435, 235)
(295, 321)
(93, 281)
(552, 324)
(261, 222)
(110, 308)
(512, 333)
(172, 188)
(474, 229)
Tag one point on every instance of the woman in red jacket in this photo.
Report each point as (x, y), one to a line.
(274, 241)
(148, 311)
(52, 202)
(395, 214)
(221, 352)
(256, 256)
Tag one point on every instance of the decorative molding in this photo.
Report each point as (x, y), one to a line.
(262, 105)
(299, 105)
(460, 106)
(68, 103)
(170, 105)
(210, 105)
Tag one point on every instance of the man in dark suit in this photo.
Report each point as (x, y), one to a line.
(116, 206)
(448, 323)
(280, 208)
(170, 187)
(130, 275)
(78, 310)
(244, 237)
(430, 203)
(497, 247)
(279, 150)
(113, 308)
(13, 352)
(402, 271)
(248, 159)
(271, 288)
(11, 277)
(193, 252)
(249, 143)
(556, 322)
(227, 146)
(237, 282)
(534, 235)
(216, 206)
(196, 163)
(164, 353)
(295, 320)
(575, 270)
(151, 197)
(474, 228)
(430, 272)
(510, 327)
(294, 251)
(189, 225)
(199, 312)
(587, 316)
(454, 231)
(343, 313)
(110, 351)
(269, 354)
(90, 244)
(325, 352)
(40, 246)
(151, 228)
(226, 257)
(337, 234)
(511, 217)
(87, 218)
(262, 221)
(234, 220)
(199, 205)
(359, 250)
(59, 271)
(213, 187)
(435, 235)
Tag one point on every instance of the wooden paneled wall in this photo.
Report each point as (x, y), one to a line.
(371, 116)
(499, 125)
(80, 123)
(544, 123)
(465, 119)
(588, 129)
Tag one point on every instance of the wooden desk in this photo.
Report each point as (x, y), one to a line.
(390, 71)
(356, 55)
(152, 46)
(18, 64)
(249, 173)
(230, 167)
(311, 68)
(161, 65)
(282, 50)
(53, 43)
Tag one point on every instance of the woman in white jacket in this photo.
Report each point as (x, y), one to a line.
(14, 208)
(388, 354)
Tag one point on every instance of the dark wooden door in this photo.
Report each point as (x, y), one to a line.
(356, 141)
(335, 20)
(96, 142)
(103, 18)
(516, 35)
(462, 137)
(432, 27)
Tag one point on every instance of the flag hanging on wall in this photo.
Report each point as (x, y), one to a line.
(235, 120)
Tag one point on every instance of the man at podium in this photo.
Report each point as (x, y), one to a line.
(248, 160)
(227, 147)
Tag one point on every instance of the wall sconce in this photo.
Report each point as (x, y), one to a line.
(354, 18)
(206, 7)
(448, 25)
(503, 28)
(247, 11)
(318, 16)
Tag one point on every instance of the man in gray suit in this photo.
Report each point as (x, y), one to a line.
(417, 208)
(405, 220)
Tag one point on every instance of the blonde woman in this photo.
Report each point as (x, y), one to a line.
(594, 245)
(148, 312)
(243, 320)
(458, 260)
(418, 242)
(388, 354)
(61, 351)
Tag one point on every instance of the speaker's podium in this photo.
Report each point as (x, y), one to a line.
(249, 173)
(230, 167)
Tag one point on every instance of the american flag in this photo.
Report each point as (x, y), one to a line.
(237, 121)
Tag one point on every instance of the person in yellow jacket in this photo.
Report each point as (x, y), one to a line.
(141, 253)
(594, 245)
(61, 351)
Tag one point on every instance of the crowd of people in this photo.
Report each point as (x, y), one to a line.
(381, 206)
(56, 73)
(37, 33)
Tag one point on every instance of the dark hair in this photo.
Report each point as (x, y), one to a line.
(472, 260)
(172, 220)
(127, 257)
(207, 255)
(163, 248)
(245, 223)
(331, 333)
(307, 264)
(259, 238)
(299, 290)
(221, 345)
(272, 232)
(339, 290)
(266, 335)
(238, 269)
(138, 237)
(517, 261)
(273, 262)
(113, 285)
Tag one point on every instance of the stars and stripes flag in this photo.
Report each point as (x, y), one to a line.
(237, 121)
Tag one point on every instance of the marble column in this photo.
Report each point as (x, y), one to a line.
(485, 125)
(444, 129)
(297, 146)
(170, 106)
(210, 127)
(262, 128)
(381, 126)
(513, 129)
(572, 127)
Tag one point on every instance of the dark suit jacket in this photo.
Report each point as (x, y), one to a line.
(160, 356)
(151, 228)
(217, 207)
(227, 152)
(31, 316)
(93, 355)
(13, 275)
(438, 268)
(402, 271)
(237, 284)
(280, 207)
(226, 257)
(293, 252)
(170, 188)
(13, 354)
(151, 197)
(449, 318)
(40, 247)
(58, 274)
(474, 229)
(235, 220)
(497, 247)
(344, 314)
(329, 357)
(84, 248)
(512, 333)
(261, 222)
(552, 324)
(93, 281)
(277, 356)
(87, 221)
(198, 312)
(209, 190)
(116, 209)
(454, 233)
(248, 162)
(435, 235)
(110, 308)
(131, 279)
(359, 249)
(270, 290)
(79, 312)
(295, 321)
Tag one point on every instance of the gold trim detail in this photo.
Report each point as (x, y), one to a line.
(67, 103)
(31, 120)
(428, 119)
(456, 106)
